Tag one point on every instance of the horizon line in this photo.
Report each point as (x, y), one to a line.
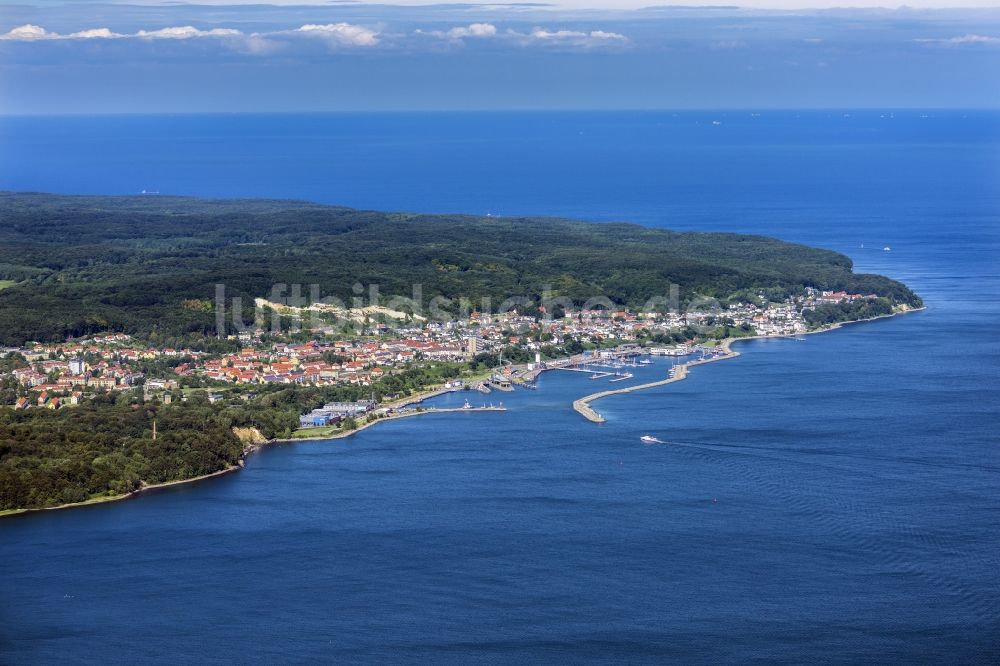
(691, 109)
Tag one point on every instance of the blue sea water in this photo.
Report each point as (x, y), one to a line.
(830, 500)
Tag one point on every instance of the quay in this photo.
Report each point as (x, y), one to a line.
(677, 373)
(595, 374)
(445, 410)
(408, 412)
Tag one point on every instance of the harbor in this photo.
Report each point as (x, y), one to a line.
(676, 373)
(318, 433)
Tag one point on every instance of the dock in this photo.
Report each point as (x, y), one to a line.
(677, 373)
(446, 410)
(595, 374)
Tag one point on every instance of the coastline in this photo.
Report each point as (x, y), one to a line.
(124, 496)
(581, 405)
(391, 417)
(257, 446)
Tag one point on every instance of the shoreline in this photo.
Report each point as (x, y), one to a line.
(581, 405)
(254, 447)
(391, 417)
(124, 496)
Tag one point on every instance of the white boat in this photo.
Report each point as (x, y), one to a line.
(649, 439)
(466, 405)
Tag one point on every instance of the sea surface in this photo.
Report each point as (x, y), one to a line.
(834, 499)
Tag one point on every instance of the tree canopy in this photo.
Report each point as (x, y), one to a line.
(149, 265)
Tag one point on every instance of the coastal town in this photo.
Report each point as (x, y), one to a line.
(598, 332)
(57, 375)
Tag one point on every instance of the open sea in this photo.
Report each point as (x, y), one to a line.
(828, 500)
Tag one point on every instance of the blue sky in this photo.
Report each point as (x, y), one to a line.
(126, 58)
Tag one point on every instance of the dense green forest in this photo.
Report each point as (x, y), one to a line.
(50, 457)
(106, 446)
(148, 265)
(830, 313)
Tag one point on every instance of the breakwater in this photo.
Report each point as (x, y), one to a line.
(583, 405)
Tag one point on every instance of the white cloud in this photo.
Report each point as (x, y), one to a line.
(234, 39)
(539, 33)
(187, 32)
(95, 33)
(344, 34)
(332, 34)
(574, 35)
(964, 39)
(29, 33)
(537, 36)
(459, 33)
(611, 36)
(475, 30)
(594, 38)
(32, 33)
(472, 30)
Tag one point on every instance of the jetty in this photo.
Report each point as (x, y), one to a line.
(594, 374)
(677, 373)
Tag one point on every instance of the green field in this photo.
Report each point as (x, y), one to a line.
(305, 433)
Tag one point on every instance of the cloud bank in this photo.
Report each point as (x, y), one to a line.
(342, 34)
(68, 57)
(183, 32)
(573, 35)
(333, 35)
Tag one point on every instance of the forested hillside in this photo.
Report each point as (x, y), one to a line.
(141, 264)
